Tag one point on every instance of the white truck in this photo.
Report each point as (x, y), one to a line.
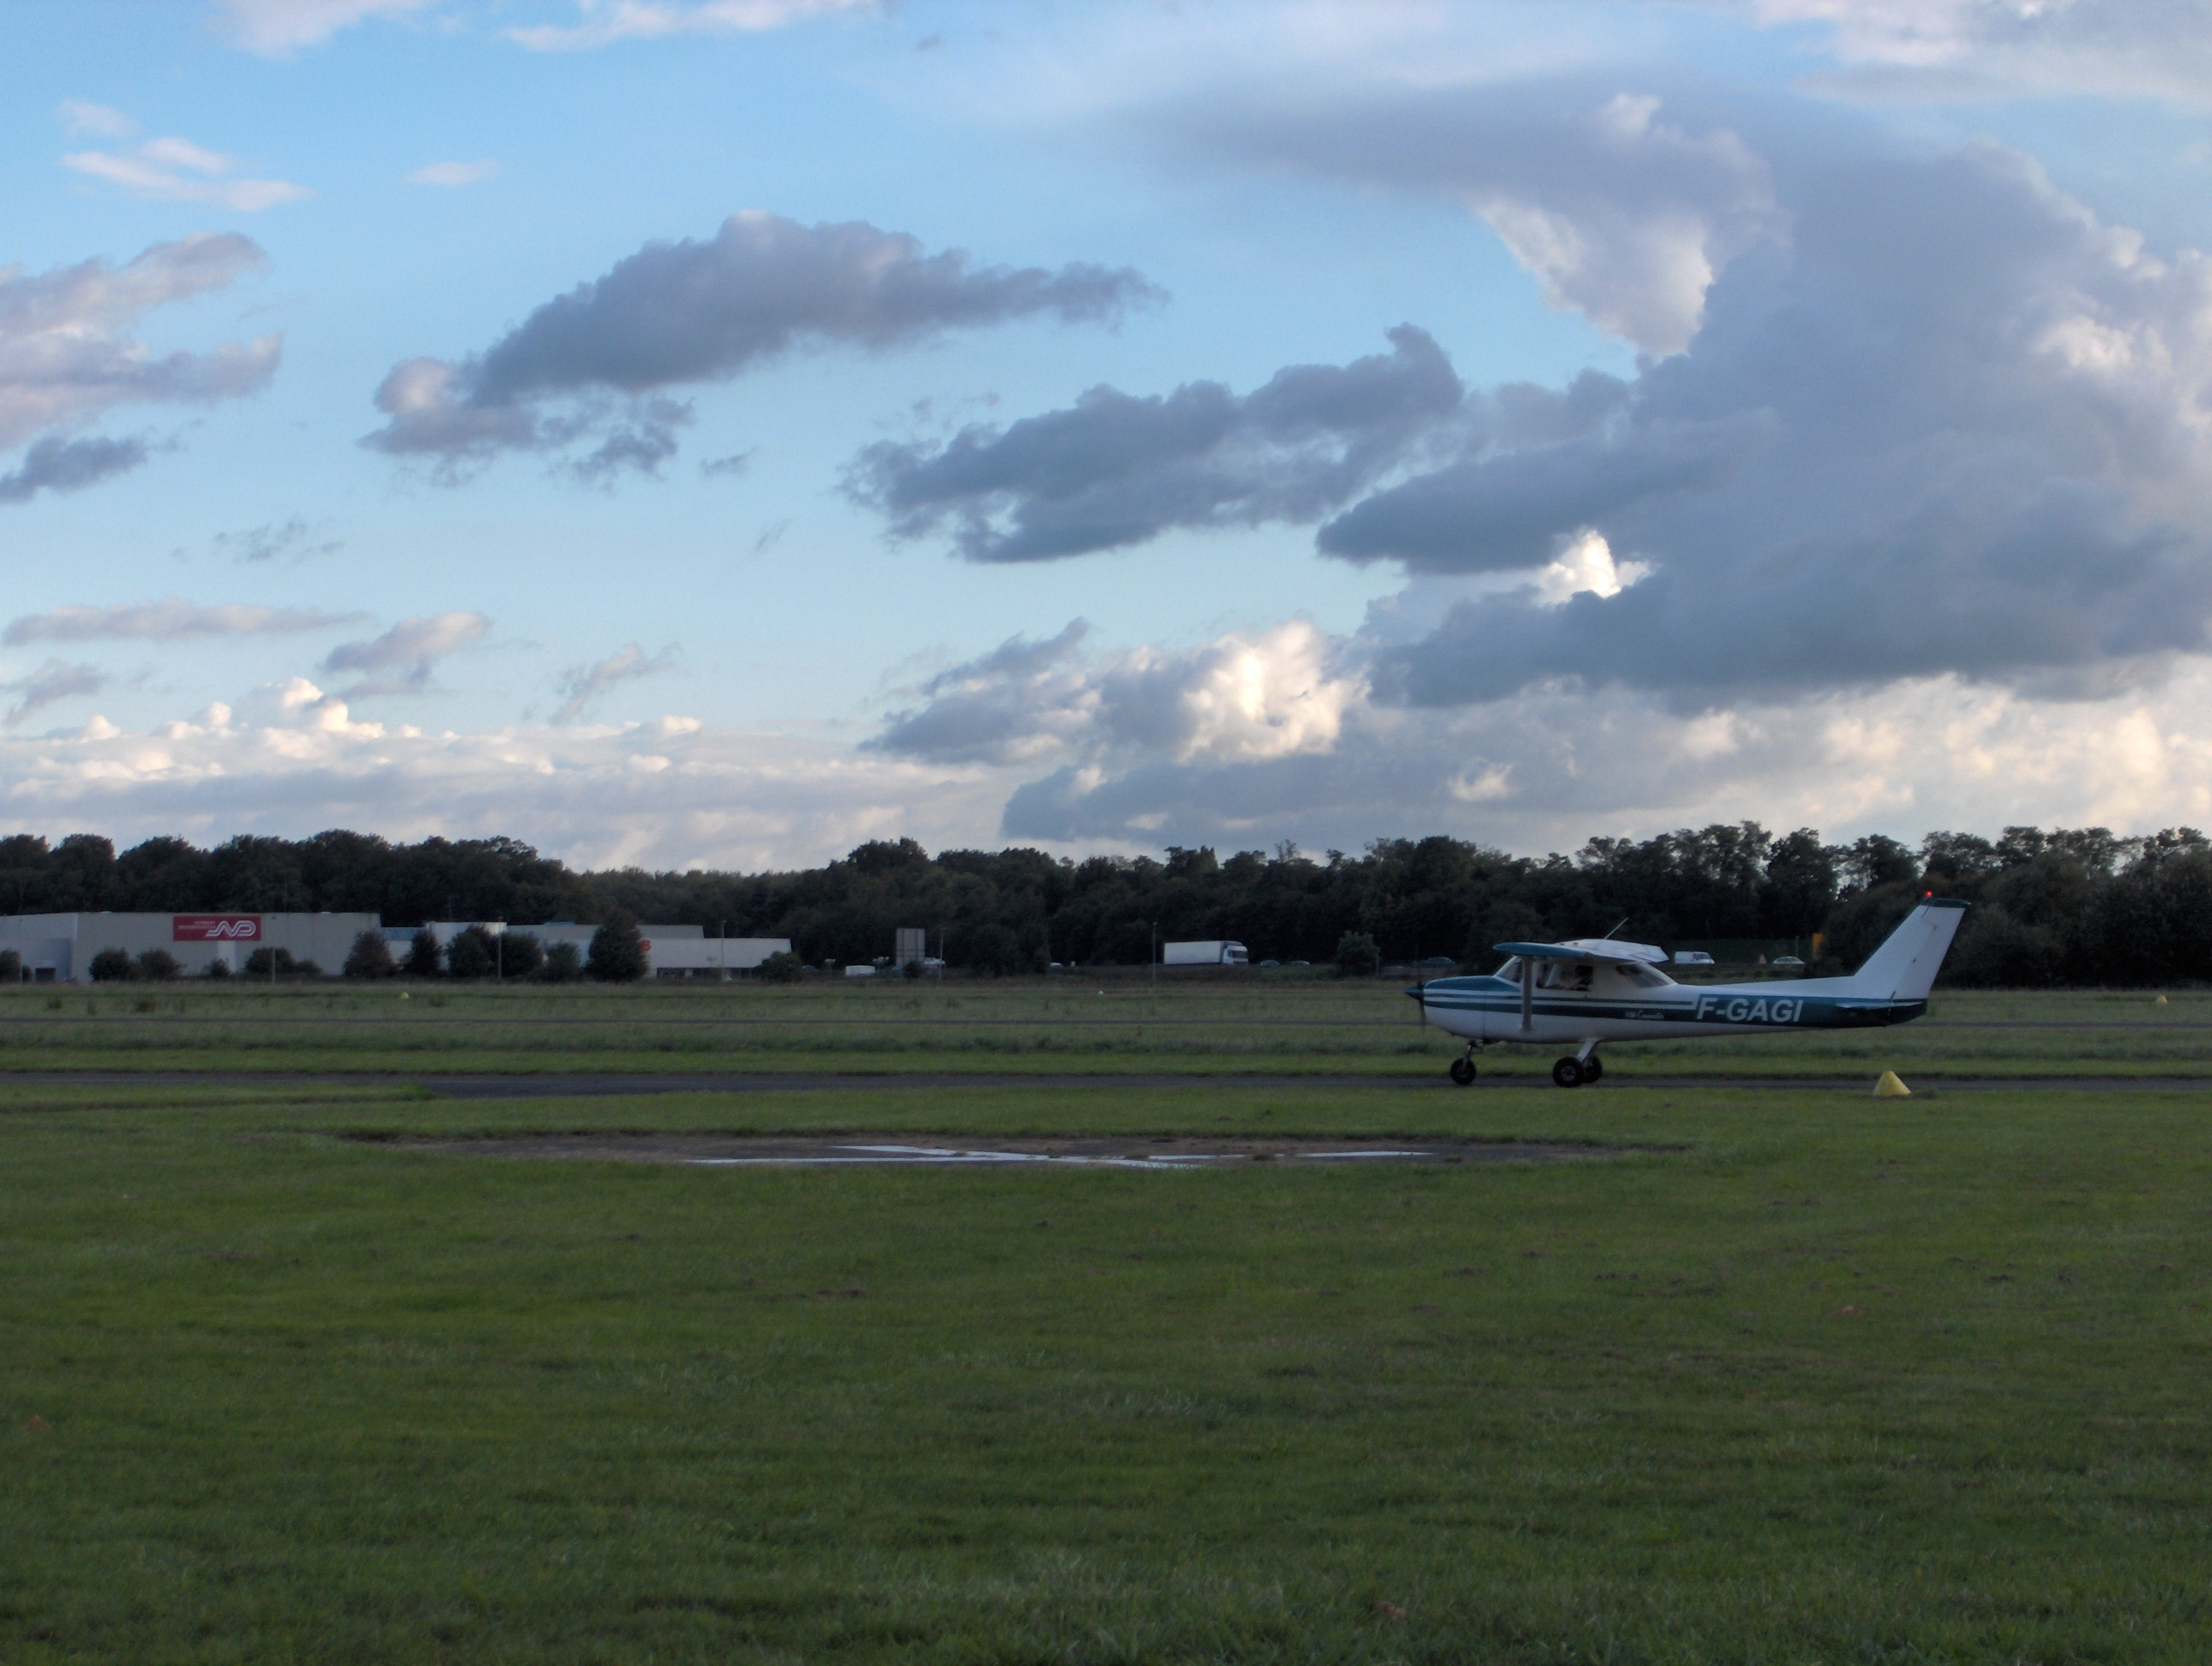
(1220, 952)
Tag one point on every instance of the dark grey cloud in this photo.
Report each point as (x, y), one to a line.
(691, 312)
(1117, 469)
(1952, 423)
(53, 465)
(993, 708)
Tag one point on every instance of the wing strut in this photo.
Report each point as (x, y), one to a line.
(1527, 996)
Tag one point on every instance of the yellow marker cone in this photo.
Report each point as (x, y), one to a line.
(2160, 1001)
(1890, 1088)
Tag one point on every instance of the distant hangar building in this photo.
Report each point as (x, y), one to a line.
(59, 948)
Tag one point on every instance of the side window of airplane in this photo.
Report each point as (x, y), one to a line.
(1584, 976)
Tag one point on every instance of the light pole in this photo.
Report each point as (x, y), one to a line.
(1156, 954)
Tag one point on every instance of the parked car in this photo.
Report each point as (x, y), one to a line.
(1692, 958)
(1790, 961)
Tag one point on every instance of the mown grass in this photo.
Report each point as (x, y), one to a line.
(1316, 1027)
(1827, 1379)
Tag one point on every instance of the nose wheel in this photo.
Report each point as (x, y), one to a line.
(1463, 1071)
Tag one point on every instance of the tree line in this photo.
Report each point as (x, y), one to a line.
(2050, 907)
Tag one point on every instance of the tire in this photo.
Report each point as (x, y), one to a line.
(1568, 1072)
(1463, 1071)
(1592, 1069)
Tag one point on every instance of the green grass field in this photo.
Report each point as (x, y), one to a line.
(1792, 1375)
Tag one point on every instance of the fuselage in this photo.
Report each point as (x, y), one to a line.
(1623, 1001)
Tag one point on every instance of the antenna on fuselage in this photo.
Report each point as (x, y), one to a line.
(1622, 922)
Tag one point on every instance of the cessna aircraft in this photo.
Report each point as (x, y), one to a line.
(1594, 989)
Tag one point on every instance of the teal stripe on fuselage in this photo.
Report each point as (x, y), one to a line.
(1768, 1007)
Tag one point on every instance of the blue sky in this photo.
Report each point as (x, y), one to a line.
(1394, 599)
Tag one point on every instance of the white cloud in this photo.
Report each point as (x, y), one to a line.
(274, 28)
(177, 171)
(291, 759)
(95, 120)
(581, 684)
(454, 174)
(605, 21)
(67, 354)
(173, 619)
(54, 681)
(1586, 567)
(402, 660)
(1941, 50)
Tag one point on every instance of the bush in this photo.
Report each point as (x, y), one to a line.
(306, 968)
(470, 953)
(217, 969)
(913, 968)
(782, 967)
(11, 966)
(562, 964)
(159, 964)
(370, 957)
(520, 954)
(617, 953)
(424, 957)
(1357, 956)
(111, 966)
(259, 963)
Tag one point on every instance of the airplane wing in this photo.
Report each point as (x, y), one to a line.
(1586, 948)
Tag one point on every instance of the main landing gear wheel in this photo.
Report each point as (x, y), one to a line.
(1593, 1067)
(1568, 1072)
(1463, 1071)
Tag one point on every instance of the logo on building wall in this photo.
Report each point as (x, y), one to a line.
(215, 927)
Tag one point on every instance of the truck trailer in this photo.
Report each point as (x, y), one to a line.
(1221, 953)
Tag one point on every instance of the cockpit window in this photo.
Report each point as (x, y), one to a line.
(1511, 971)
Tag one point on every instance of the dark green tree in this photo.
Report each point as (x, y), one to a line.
(111, 966)
(159, 964)
(1356, 955)
(520, 954)
(424, 957)
(470, 953)
(370, 957)
(617, 954)
(562, 964)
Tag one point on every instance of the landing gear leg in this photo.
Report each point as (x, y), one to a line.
(1462, 1068)
(1586, 1056)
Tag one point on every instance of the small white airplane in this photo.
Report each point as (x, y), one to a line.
(1594, 989)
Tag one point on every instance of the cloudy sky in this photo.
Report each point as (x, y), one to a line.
(721, 431)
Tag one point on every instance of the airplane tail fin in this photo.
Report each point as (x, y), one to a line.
(1904, 967)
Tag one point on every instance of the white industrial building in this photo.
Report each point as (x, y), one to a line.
(59, 948)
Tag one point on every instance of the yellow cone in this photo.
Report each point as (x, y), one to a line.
(1890, 1088)
(2160, 1001)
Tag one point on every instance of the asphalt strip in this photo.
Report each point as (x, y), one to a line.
(745, 1151)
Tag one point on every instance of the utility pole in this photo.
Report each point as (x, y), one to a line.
(1156, 954)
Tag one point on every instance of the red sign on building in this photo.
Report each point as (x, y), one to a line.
(215, 927)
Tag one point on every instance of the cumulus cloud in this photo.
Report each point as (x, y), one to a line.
(173, 619)
(590, 362)
(582, 685)
(671, 792)
(177, 171)
(1117, 470)
(1624, 217)
(54, 681)
(53, 465)
(452, 174)
(1238, 698)
(67, 356)
(277, 29)
(404, 658)
(605, 21)
(1955, 424)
